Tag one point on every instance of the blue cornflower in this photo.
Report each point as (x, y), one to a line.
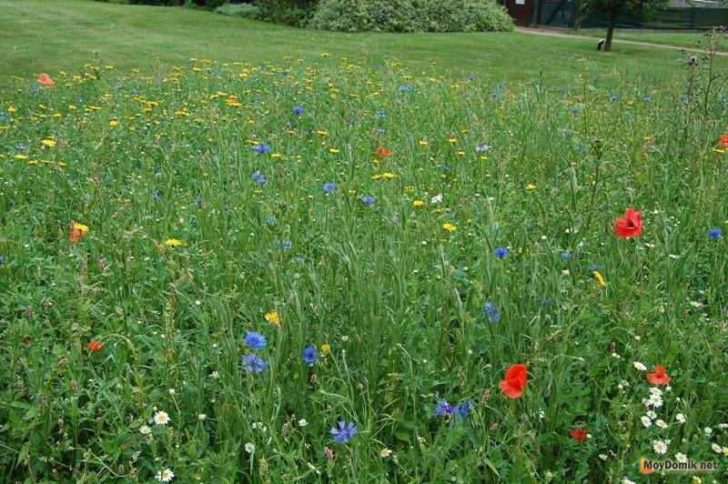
(404, 88)
(490, 310)
(614, 98)
(298, 110)
(566, 256)
(443, 409)
(310, 354)
(463, 409)
(4, 117)
(482, 148)
(21, 147)
(647, 98)
(715, 233)
(255, 340)
(380, 114)
(343, 432)
(368, 200)
(3, 260)
(285, 244)
(254, 363)
(156, 195)
(261, 148)
(199, 201)
(259, 178)
(329, 187)
(471, 77)
(594, 267)
(501, 252)
(271, 220)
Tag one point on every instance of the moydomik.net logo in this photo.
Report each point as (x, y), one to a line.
(648, 466)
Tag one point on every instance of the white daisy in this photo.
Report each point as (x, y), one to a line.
(660, 446)
(680, 457)
(627, 481)
(646, 421)
(165, 476)
(302, 422)
(250, 447)
(145, 430)
(161, 418)
(437, 198)
(651, 414)
(661, 423)
(639, 366)
(716, 448)
(708, 431)
(681, 418)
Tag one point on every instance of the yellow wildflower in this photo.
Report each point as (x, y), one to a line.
(418, 203)
(48, 143)
(530, 187)
(600, 279)
(449, 227)
(174, 243)
(325, 349)
(273, 317)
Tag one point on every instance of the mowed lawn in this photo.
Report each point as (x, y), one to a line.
(43, 35)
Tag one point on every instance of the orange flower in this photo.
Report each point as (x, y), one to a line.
(383, 152)
(45, 79)
(94, 346)
(723, 141)
(659, 376)
(515, 381)
(78, 231)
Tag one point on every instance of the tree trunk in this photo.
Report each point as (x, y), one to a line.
(610, 30)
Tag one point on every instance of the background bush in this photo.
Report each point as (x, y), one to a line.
(411, 16)
(290, 12)
(244, 10)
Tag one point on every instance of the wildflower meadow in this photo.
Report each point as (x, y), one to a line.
(339, 272)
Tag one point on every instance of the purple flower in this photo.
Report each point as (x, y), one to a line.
(368, 200)
(443, 409)
(254, 364)
(259, 178)
(501, 252)
(255, 340)
(715, 233)
(343, 432)
(298, 110)
(309, 355)
(491, 311)
(329, 187)
(463, 409)
(261, 148)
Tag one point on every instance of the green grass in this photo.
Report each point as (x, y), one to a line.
(44, 36)
(694, 40)
(391, 270)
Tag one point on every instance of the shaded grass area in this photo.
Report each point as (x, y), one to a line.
(66, 34)
(693, 40)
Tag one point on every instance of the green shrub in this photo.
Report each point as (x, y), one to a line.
(291, 12)
(244, 10)
(411, 16)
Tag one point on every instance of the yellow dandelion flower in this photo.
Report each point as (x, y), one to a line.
(48, 143)
(452, 140)
(387, 175)
(600, 279)
(174, 243)
(423, 142)
(333, 150)
(113, 123)
(530, 187)
(21, 157)
(449, 227)
(322, 132)
(273, 317)
(325, 349)
(418, 203)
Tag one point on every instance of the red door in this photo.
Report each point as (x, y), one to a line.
(521, 11)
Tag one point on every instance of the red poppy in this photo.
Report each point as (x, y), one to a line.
(45, 79)
(383, 152)
(723, 141)
(94, 346)
(515, 381)
(659, 376)
(578, 434)
(630, 225)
